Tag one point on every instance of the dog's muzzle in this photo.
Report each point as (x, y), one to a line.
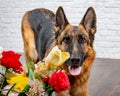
(74, 66)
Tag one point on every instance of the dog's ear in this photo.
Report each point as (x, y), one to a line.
(89, 21)
(60, 20)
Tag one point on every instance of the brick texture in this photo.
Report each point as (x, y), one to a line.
(107, 40)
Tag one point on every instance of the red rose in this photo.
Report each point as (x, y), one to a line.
(10, 59)
(44, 80)
(59, 81)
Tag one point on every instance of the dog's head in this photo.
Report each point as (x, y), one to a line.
(77, 40)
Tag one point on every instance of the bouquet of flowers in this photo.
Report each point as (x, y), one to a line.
(34, 79)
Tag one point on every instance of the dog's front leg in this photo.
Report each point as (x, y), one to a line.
(79, 93)
(63, 93)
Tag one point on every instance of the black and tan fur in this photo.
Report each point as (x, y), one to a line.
(42, 29)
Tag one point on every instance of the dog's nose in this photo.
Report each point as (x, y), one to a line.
(75, 60)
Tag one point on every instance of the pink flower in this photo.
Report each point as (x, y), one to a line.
(10, 59)
(59, 81)
(36, 88)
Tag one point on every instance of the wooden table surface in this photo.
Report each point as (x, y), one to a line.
(105, 78)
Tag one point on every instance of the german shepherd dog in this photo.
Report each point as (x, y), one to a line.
(42, 29)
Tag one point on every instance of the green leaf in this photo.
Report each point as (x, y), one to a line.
(22, 94)
(5, 83)
(1, 94)
(51, 69)
(10, 70)
(10, 89)
(31, 74)
(31, 65)
(44, 86)
(3, 68)
(26, 89)
(49, 89)
(39, 78)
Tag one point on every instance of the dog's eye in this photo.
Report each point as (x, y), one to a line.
(83, 40)
(66, 39)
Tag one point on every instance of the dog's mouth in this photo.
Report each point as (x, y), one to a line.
(74, 70)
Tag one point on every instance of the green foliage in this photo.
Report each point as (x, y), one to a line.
(31, 74)
(51, 69)
(10, 70)
(1, 94)
(4, 83)
(31, 68)
(26, 89)
(47, 87)
(3, 68)
(22, 94)
(10, 89)
(31, 65)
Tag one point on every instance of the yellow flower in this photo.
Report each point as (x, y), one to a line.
(41, 70)
(21, 80)
(56, 58)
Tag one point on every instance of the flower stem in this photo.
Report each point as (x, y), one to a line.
(4, 89)
(1, 74)
(10, 89)
(4, 77)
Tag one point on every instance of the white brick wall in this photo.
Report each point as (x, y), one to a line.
(107, 40)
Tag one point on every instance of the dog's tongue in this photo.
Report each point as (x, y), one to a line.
(74, 70)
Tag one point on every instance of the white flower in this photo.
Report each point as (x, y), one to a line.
(7, 87)
(13, 94)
